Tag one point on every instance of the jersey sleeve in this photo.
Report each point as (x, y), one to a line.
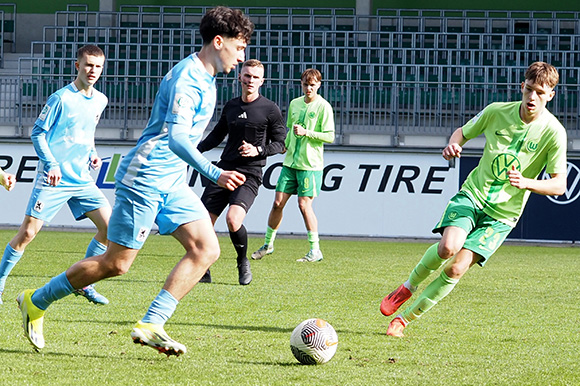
(325, 124)
(184, 102)
(476, 125)
(38, 138)
(217, 135)
(289, 124)
(183, 144)
(289, 120)
(276, 134)
(50, 113)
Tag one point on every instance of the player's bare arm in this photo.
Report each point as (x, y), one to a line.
(455, 146)
(554, 186)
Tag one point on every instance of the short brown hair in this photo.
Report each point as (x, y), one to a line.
(542, 73)
(89, 49)
(252, 63)
(311, 74)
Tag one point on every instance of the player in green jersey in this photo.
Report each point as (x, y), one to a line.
(311, 120)
(521, 139)
(7, 180)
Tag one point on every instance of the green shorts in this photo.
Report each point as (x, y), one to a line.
(484, 233)
(304, 183)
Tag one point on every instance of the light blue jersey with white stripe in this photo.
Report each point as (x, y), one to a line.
(183, 107)
(67, 123)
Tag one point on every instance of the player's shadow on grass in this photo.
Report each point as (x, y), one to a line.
(122, 355)
(274, 329)
(123, 279)
(24, 275)
(240, 328)
(276, 364)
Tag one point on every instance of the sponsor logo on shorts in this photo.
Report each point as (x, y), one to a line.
(143, 233)
(39, 206)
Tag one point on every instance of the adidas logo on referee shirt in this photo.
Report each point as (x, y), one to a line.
(243, 115)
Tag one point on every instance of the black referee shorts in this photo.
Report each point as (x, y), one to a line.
(216, 198)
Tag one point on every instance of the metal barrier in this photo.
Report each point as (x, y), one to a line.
(390, 108)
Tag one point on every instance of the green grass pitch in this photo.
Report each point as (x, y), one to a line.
(514, 322)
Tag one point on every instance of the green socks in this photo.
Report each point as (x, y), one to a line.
(313, 240)
(434, 292)
(270, 236)
(430, 262)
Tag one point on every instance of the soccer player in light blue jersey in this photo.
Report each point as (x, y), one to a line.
(151, 188)
(63, 137)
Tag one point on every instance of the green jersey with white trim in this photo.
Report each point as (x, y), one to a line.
(512, 143)
(306, 152)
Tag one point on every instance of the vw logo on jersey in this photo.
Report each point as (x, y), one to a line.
(502, 164)
(572, 190)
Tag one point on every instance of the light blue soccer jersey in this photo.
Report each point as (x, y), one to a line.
(69, 119)
(185, 100)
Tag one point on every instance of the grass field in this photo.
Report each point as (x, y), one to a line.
(515, 322)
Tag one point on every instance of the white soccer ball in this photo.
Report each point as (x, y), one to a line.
(313, 342)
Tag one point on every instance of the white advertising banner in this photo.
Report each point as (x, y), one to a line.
(365, 193)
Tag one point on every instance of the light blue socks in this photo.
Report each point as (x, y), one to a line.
(9, 260)
(161, 309)
(95, 248)
(57, 288)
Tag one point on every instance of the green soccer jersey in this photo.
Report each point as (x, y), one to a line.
(509, 142)
(306, 152)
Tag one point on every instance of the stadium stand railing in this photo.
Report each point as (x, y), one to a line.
(397, 73)
(7, 29)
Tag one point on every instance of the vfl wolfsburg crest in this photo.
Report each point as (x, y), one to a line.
(502, 164)
(311, 114)
(531, 146)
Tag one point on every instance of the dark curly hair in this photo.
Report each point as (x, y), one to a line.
(226, 22)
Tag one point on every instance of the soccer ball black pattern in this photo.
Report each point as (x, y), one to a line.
(313, 342)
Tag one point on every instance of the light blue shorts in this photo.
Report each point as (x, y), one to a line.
(45, 202)
(135, 212)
